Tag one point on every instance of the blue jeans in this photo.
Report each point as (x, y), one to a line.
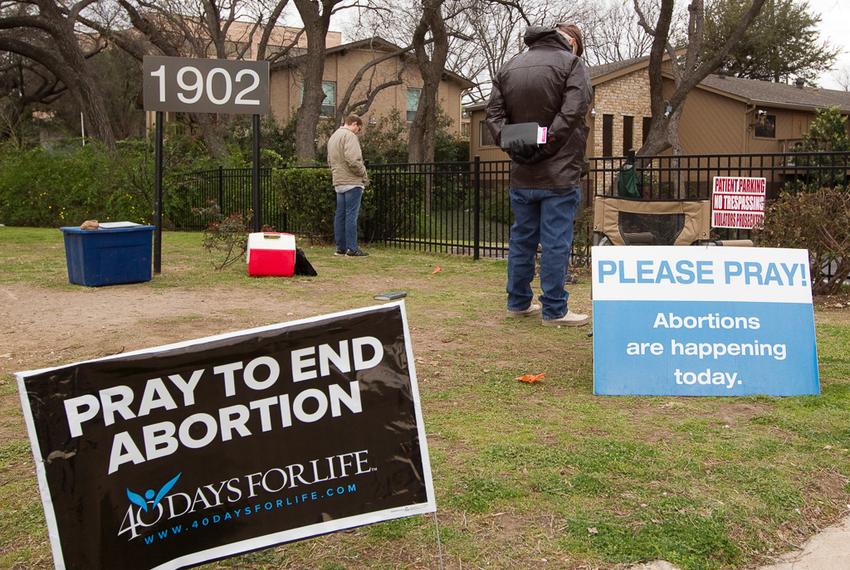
(345, 220)
(544, 217)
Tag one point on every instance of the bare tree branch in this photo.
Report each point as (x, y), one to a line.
(666, 114)
(344, 106)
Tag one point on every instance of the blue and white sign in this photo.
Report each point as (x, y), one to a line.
(703, 321)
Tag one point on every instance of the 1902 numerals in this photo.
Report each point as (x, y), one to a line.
(194, 85)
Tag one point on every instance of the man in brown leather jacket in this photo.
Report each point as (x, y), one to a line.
(548, 85)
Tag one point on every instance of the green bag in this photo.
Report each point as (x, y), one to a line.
(627, 182)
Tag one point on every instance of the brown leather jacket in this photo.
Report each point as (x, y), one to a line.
(549, 86)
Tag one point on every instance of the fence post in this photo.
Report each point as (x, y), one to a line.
(476, 252)
(221, 189)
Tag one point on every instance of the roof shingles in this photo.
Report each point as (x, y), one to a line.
(779, 94)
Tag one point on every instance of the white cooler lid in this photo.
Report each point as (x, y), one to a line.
(270, 240)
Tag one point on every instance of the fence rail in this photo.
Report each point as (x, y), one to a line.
(464, 208)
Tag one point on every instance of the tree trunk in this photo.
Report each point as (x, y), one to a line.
(657, 141)
(87, 90)
(211, 134)
(424, 127)
(663, 132)
(94, 111)
(307, 117)
(673, 131)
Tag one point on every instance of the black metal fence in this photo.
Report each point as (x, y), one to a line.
(227, 188)
(464, 208)
(689, 177)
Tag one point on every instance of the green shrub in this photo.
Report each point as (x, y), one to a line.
(390, 203)
(69, 184)
(496, 204)
(827, 134)
(308, 198)
(386, 140)
(39, 187)
(226, 237)
(818, 221)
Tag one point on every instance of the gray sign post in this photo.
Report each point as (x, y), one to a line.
(181, 84)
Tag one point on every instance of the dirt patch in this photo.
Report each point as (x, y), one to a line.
(45, 326)
(840, 300)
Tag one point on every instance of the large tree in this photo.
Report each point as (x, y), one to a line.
(614, 34)
(689, 66)
(23, 83)
(425, 25)
(316, 15)
(487, 33)
(781, 44)
(369, 81)
(842, 77)
(48, 33)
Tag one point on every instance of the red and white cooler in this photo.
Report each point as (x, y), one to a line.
(271, 254)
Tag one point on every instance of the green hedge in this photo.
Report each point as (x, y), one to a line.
(65, 186)
(49, 188)
(308, 198)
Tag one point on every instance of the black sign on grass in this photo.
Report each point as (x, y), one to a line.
(181, 454)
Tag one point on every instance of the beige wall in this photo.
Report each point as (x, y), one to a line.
(285, 87)
(487, 152)
(624, 96)
(712, 123)
(791, 125)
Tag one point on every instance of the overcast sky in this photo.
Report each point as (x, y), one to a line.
(835, 29)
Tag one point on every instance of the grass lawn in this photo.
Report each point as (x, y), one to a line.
(540, 475)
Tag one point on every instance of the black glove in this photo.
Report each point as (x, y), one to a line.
(521, 152)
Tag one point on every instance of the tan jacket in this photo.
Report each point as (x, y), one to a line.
(346, 159)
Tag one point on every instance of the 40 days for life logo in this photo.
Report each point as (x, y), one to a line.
(239, 497)
(152, 497)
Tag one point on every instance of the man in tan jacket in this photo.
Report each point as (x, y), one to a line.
(349, 179)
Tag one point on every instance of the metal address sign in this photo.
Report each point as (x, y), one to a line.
(206, 85)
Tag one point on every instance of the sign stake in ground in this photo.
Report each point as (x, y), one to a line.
(180, 84)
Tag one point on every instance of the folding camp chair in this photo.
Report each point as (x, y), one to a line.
(623, 221)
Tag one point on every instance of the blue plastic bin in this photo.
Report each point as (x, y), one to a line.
(108, 256)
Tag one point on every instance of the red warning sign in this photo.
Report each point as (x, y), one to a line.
(737, 201)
